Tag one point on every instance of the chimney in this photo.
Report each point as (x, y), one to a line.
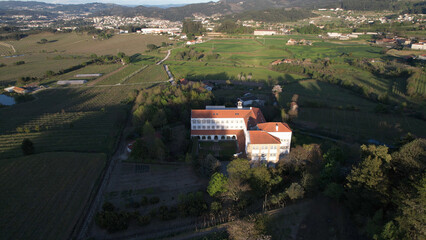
(276, 127)
(240, 104)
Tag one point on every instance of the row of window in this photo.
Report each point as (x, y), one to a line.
(208, 121)
(264, 156)
(216, 138)
(217, 127)
(263, 147)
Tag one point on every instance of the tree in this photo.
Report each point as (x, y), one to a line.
(239, 168)
(43, 41)
(284, 115)
(371, 172)
(121, 55)
(27, 147)
(208, 165)
(151, 47)
(235, 188)
(295, 191)
(217, 184)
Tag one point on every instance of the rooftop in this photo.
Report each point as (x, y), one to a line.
(262, 137)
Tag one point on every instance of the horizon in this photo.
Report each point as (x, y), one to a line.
(124, 3)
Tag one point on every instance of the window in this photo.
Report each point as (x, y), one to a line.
(208, 127)
(198, 121)
(204, 127)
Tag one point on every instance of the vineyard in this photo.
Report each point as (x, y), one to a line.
(151, 74)
(121, 76)
(5, 51)
(44, 195)
(80, 120)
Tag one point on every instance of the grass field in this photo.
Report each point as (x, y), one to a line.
(84, 44)
(36, 65)
(151, 74)
(44, 195)
(69, 119)
(69, 49)
(336, 117)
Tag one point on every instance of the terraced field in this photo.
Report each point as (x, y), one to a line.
(43, 195)
(78, 119)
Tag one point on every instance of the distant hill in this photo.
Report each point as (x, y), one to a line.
(223, 7)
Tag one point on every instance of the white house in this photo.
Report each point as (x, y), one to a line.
(418, 46)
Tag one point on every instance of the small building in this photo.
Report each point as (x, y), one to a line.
(20, 90)
(88, 75)
(9, 89)
(291, 42)
(418, 46)
(265, 32)
(422, 57)
(277, 62)
(71, 82)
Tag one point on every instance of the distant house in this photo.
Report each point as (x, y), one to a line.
(422, 57)
(277, 62)
(418, 46)
(265, 32)
(334, 35)
(72, 82)
(249, 100)
(183, 81)
(289, 60)
(291, 42)
(385, 41)
(20, 90)
(9, 89)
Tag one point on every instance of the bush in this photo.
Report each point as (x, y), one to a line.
(27, 147)
(166, 214)
(334, 190)
(20, 63)
(2, 65)
(144, 220)
(112, 221)
(154, 200)
(144, 201)
(107, 206)
(295, 191)
(215, 207)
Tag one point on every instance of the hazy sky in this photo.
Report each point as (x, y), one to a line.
(127, 2)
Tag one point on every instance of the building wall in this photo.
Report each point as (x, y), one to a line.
(285, 138)
(218, 124)
(264, 33)
(268, 152)
(418, 46)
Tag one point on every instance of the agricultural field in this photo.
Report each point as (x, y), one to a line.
(44, 195)
(338, 111)
(36, 65)
(66, 119)
(84, 44)
(64, 50)
(151, 74)
(122, 75)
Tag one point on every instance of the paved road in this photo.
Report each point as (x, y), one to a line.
(167, 57)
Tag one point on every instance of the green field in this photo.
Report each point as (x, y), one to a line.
(334, 113)
(43, 196)
(151, 74)
(120, 76)
(65, 119)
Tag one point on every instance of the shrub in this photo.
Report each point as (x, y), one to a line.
(215, 207)
(144, 220)
(144, 201)
(154, 200)
(2, 65)
(295, 191)
(112, 221)
(27, 147)
(20, 63)
(107, 206)
(166, 214)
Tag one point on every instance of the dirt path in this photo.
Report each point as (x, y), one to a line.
(106, 76)
(8, 45)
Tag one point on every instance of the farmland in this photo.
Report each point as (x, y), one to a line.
(43, 196)
(340, 112)
(82, 120)
(151, 74)
(64, 50)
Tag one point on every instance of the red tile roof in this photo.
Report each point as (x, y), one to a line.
(238, 133)
(251, 116)
(261, 137)
(272, 127)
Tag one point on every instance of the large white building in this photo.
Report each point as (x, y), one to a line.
(418, 46)
(265, 32)
(256, 139)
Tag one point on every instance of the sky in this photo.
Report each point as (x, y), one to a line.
(127, 2)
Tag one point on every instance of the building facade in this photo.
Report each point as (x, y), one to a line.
(256, 138)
